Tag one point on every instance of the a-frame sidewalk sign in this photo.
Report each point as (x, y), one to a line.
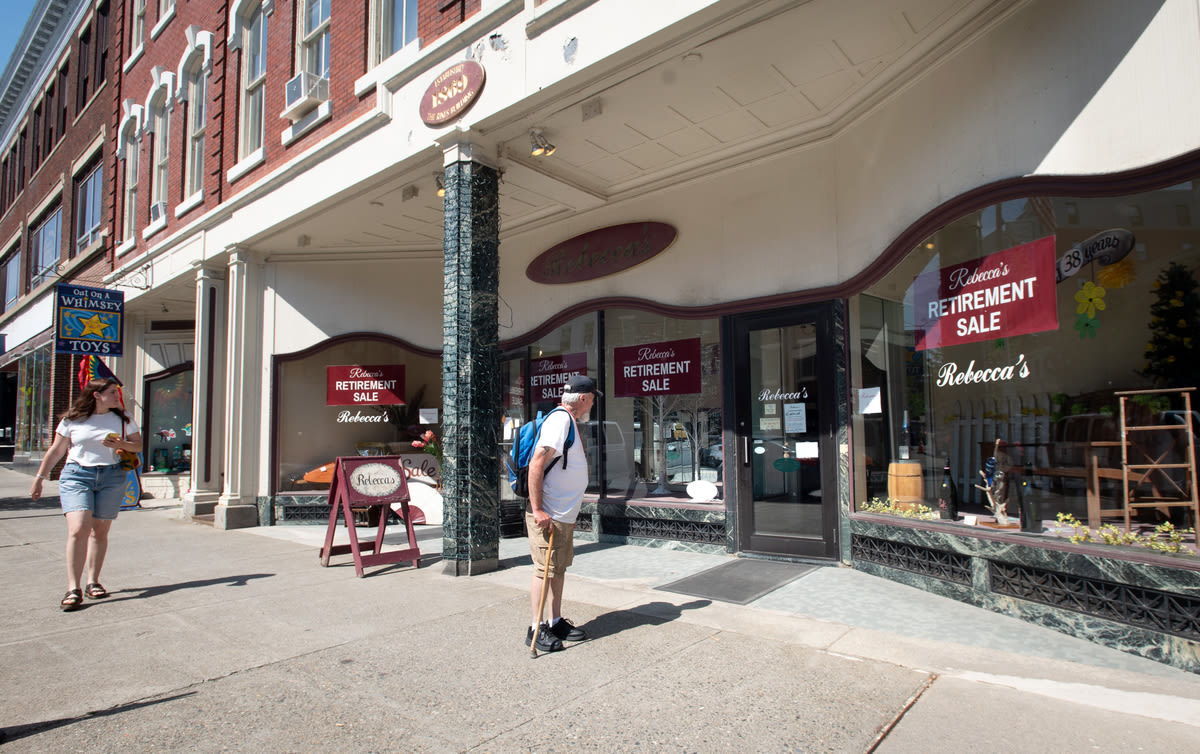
(372, 480)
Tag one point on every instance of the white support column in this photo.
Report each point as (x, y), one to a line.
(208, 393)
(238, 505)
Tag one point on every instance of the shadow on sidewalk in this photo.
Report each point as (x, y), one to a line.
(650, 614)
(24, 731)
(136, 593)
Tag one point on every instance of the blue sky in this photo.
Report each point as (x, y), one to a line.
(13, 15)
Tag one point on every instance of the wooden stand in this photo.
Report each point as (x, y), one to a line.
(1142, 466)
(375, 480)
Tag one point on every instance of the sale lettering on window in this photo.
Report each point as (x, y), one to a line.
(548, 374)
(1002, 295)
(364, 385)
(670, 368)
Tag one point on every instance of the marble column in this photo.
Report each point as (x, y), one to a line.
(237, 506)
(208, 392)
(470, 365)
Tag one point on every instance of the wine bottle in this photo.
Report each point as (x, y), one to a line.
(947, 495)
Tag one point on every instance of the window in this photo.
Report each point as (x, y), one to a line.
(100, 48)
(89, 203)
(168, 427)
(162, 155)
(138, 36)
(129, 227)
(45, 246)
(314, 37)
(165, 7)
(35, 423)
(61, 128)
(12, 279)
(197, 103)
(395, 24)
(254, 74)
(1006, 334)
(83, 81)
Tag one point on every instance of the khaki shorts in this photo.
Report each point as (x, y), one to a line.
(564, 546)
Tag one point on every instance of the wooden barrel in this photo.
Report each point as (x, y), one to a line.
(906, 485)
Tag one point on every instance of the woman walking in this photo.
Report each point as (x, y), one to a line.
(92, 484)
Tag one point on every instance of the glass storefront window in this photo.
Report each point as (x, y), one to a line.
(334, 401)
(35, 425)
(168, 427)
(1007, 334)
(659, 423)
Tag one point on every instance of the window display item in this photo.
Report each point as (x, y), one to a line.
(948, 495)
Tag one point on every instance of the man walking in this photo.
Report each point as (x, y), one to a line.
(555, 496)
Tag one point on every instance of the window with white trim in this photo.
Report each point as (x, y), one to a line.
(254, 74)
(89, 205)
(162, 153)
(394, 25)
(45, 246)
(193, 165)
(138, 35)
(129, 224)
(165, 7)
(313, 37)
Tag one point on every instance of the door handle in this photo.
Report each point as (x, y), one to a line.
(745, 451)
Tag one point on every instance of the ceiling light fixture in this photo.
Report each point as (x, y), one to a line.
(440, 183)
(538, 146)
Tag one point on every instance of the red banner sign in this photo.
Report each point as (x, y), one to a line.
(364, 385)
(670, 368)
(1002, 295)
(548, 374)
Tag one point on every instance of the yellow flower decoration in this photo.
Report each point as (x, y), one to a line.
(1090, 299)
(1117, 275)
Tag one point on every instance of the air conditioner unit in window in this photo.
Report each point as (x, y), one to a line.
(158, 212)
(303, 93)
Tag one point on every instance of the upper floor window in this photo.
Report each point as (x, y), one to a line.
(45, 246)
(12, 279)
(162, 155)
(129, 224)
(193, 166)
(89, 203)
(254, 74)
(138, 35)
(394, 24)
(314, 37)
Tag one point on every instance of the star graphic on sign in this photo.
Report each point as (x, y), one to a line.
(93, 326)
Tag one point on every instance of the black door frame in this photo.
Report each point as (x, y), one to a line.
(739, 484)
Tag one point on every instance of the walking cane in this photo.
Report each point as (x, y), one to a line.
(545, 587)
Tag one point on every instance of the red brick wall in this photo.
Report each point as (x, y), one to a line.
(436, 17)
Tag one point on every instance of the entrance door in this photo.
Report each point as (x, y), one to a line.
(784, 425)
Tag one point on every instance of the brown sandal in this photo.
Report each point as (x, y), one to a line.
(71, 600)
(95, 591)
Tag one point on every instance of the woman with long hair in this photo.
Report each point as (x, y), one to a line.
(92, 484)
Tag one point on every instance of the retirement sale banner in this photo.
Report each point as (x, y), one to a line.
(1002, 295)
(669, 368)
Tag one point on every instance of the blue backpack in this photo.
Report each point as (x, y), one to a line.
(522, 451)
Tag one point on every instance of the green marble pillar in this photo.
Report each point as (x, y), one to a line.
(471, 370)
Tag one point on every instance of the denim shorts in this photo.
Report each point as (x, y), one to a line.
(99, 490)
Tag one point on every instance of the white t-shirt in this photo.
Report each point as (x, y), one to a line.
(87, 437)
(562, 489)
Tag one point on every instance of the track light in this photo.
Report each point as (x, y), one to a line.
(538, 146)
(440, 183)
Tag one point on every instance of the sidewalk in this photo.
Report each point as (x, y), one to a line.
(219, 640)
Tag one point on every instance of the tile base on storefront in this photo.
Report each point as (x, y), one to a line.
(1149, 608)
(693, 528)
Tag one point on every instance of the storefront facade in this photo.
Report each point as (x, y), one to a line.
(769, 363)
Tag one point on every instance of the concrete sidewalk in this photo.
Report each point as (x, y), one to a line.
(239, 640)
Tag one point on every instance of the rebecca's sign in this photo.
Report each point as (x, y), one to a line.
(600, 252)
(547, 375)
(452, 93)
(359, 385)
(88, 320)
(670, 368)
(1002, 295)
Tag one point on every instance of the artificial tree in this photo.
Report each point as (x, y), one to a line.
(1172, 356)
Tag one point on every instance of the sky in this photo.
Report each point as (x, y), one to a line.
(13, 15)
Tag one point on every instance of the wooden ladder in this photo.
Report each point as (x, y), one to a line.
(1149, 466)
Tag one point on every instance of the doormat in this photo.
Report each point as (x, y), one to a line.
(740, 581)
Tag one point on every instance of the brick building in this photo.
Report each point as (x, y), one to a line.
(816, 253)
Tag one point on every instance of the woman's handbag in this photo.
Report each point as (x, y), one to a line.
(129, 459)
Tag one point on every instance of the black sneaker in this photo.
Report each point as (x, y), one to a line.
(546, 641)
(568, 631)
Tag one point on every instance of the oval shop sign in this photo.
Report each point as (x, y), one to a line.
(601, 252)
(452, 93)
